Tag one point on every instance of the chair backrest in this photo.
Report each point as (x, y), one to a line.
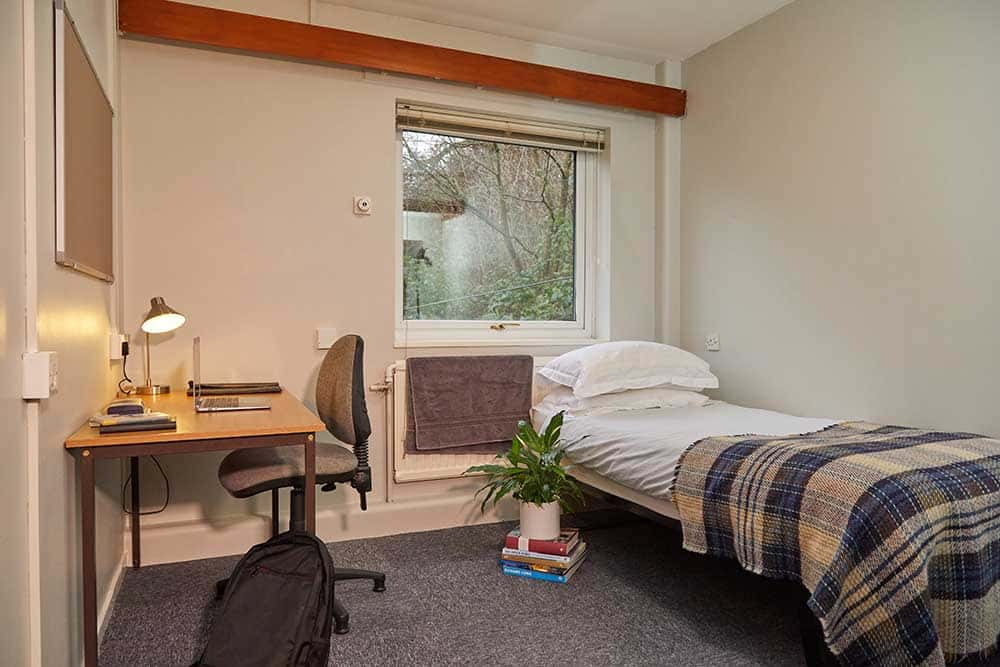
(340, 391)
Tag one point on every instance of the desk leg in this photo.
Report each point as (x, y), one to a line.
(275, 508)
(89, 559)
(134, 519)
(310, 456)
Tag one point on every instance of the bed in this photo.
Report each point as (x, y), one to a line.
(914, 500)
(634, 453)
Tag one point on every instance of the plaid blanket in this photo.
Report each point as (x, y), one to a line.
(894, 531)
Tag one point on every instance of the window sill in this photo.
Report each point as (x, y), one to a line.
(500, 339)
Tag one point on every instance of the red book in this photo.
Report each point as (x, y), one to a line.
(561, 546)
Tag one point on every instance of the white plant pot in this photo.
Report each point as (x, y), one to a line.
(540, 522)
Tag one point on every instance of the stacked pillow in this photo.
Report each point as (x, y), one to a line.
(626, 375)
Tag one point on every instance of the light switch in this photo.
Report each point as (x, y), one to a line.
(325, 338)
(712, 342)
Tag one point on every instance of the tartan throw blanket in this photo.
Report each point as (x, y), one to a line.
(895, 532)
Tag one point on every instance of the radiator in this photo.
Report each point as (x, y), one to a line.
(423, 467)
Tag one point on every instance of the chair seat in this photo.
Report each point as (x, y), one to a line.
(247, 472)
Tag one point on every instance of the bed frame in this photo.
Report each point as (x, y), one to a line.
(664, 512)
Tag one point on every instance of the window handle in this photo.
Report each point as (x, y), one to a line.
(500, 326)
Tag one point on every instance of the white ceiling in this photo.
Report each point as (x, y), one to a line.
(644, 30)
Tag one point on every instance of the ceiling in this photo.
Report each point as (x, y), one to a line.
(647, 31)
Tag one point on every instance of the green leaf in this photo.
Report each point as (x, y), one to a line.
(531, 469)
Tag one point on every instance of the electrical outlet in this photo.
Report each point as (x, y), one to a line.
(115, 346)
(712, 342)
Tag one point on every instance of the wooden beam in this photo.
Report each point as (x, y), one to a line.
(220, 29)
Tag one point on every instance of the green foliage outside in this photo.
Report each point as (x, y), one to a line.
(489, 230)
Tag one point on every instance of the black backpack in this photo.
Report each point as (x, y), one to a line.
(277, 607)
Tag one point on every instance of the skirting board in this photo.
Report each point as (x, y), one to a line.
(192, 540)
(104, 609)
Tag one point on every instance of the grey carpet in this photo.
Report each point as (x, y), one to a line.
(638, 600)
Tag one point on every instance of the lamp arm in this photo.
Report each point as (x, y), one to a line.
(148, 381)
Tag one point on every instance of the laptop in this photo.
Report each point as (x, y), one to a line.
(220, 403)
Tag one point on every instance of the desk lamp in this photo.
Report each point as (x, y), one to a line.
(161, 318)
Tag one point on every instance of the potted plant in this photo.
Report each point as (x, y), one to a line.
(532, 472)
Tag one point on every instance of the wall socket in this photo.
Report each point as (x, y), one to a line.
(712, 342)
(115, 346)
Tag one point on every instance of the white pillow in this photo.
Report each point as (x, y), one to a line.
(541, 387)
(563, 398)
(612, 367)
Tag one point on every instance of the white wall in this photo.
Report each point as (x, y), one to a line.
(14, 624)
(667, 288)
(239, 177)
(73, 317)
(840, 208)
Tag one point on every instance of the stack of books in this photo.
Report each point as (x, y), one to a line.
(130, 415)
(549, 560)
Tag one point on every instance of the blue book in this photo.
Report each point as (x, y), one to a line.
(534, 568)
(544, 576)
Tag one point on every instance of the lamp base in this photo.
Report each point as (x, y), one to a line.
(152, 389)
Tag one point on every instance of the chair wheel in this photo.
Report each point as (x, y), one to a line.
(341, 627)
(379, 585)
(220, 588)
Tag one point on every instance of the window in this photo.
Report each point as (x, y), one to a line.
(496, 224)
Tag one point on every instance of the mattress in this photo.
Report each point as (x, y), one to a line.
(639, 449)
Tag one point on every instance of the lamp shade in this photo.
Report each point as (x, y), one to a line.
(161, 318)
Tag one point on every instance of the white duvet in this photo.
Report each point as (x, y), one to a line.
(640, 448)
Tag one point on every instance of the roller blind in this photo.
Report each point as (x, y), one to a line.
(497, 127)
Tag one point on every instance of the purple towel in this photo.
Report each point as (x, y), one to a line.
(466, 405)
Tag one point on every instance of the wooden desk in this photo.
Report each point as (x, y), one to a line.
(287, 423)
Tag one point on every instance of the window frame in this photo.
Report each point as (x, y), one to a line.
(585, 329)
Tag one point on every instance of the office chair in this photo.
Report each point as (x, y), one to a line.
(340, 401)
